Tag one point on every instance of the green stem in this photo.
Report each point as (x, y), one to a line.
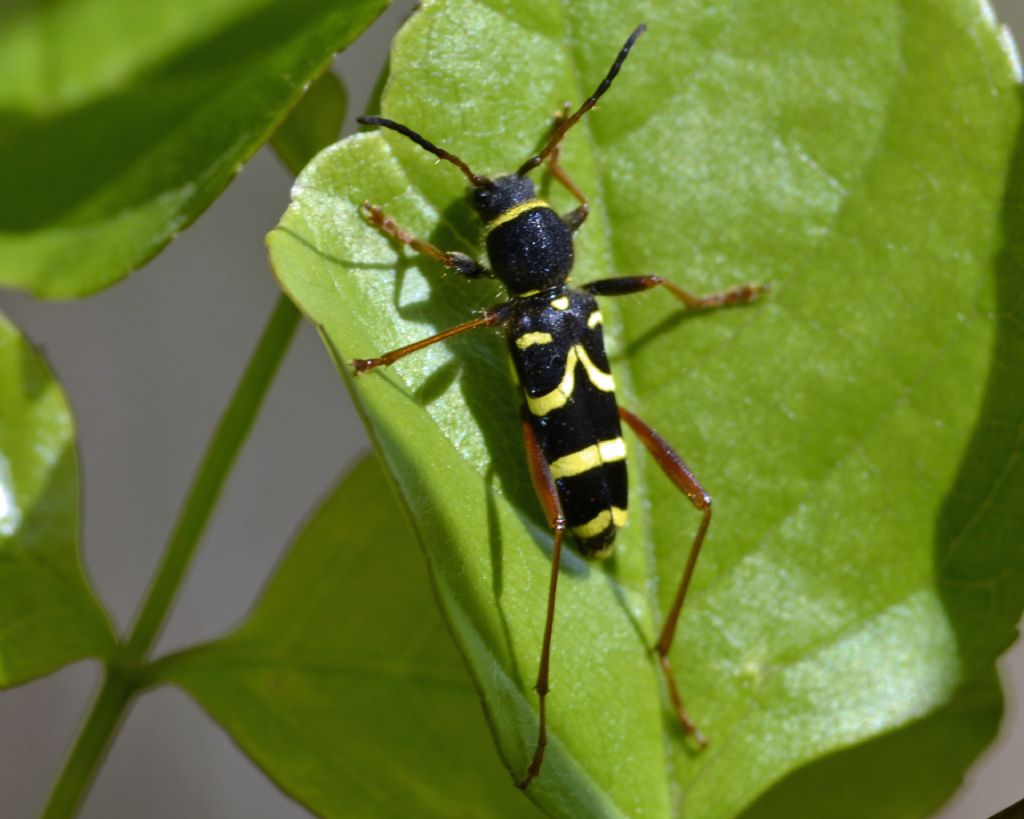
(122, 679)
(310, 127)
(227, 440)
(91, 745)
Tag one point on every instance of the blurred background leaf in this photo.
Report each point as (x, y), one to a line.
(120, 123)
(48, 614)
(343, 684)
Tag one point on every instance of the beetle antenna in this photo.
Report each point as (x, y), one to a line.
(566, 124)
(475, 180)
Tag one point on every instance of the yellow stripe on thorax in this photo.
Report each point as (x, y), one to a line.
(515, 211)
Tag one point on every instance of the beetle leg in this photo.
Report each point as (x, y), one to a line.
(574, 218)
(679, 473)
(627, 285)
(459, 262)
(547, 492)
(496, 315)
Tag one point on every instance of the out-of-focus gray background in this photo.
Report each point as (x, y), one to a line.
(149, 365)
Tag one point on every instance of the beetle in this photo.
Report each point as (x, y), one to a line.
(571, 421)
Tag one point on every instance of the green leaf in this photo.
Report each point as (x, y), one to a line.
(909, 772)
(120, 123)
(860, 430)
(48, 614)
(344, 685)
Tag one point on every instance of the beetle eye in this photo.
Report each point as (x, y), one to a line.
(481, 198)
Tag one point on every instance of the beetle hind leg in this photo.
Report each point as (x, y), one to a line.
(679, 473)
(547, 493)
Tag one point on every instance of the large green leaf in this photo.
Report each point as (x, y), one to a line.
(859, 430)
(905, 773)
(344, 684)
(120, 122)
(48, 615)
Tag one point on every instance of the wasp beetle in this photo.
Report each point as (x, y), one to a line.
(571, 422)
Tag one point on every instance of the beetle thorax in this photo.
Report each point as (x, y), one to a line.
(529, 246)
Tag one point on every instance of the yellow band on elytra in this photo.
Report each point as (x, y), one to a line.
(560, 395)
(527, 340)
(591, 457)
(606, 517)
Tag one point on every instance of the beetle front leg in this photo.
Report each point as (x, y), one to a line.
(453, 260)
(574, 218)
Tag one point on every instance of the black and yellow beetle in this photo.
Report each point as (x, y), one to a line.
(571, 420)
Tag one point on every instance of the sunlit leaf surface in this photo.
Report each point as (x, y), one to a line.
(860, 431)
